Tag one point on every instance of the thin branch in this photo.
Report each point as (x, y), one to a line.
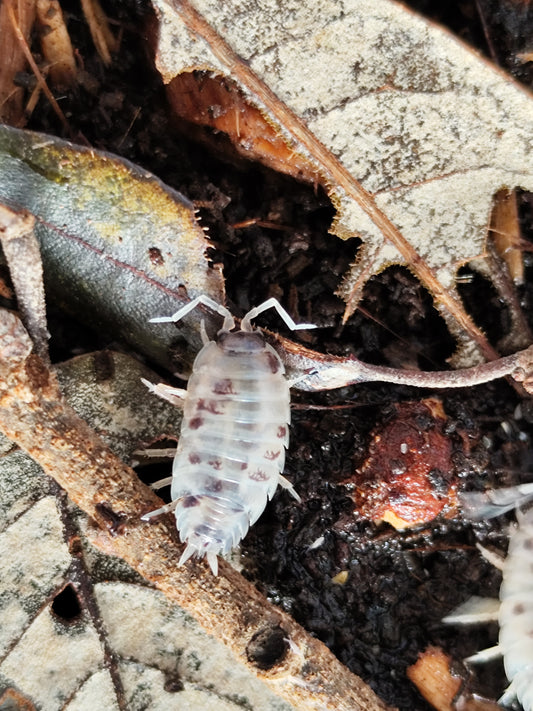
(326, 372)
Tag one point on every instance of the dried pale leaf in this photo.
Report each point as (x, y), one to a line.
(116, 243)
(171, 644)
(71, 656)
(35, 559)
(411, 132)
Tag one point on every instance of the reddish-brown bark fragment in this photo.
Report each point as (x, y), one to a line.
(408, 477)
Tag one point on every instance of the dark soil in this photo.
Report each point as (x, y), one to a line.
(399, 585)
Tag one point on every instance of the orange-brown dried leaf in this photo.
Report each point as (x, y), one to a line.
(408, 478)
(434, 679)
(217, 103)
(505, 232)
(13, 700)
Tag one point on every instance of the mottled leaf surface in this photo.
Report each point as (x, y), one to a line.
(116, 243)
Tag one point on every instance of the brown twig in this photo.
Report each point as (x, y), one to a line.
(33, 414)
(326, 372)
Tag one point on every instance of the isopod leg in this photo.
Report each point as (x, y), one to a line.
(164, 453)
(509, 695)
(286, 484)
(203, 333)
(229, 322)
(167, 481)
(495, 502)
(166, 392)
(485, 655)
(497, 559)
(167, 508)
(272, 303)
(476, 610)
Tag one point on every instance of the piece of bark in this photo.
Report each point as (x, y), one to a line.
(434, 679)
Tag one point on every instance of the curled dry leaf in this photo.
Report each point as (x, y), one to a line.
(410, 132)
(117, 244)
(326, 372)
(33, 414)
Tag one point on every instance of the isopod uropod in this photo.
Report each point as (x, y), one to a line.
(515, 611)
(231, 451)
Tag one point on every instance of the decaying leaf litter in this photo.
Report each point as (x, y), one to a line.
(371, 342)
(116, 644)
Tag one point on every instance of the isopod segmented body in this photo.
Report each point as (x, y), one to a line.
(235, 429)
(515, 611)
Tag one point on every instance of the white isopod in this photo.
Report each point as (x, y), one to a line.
(514, 613)
(231, 451)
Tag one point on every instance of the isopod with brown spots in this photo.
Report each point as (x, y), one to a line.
(231, 451)
(514, 612)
